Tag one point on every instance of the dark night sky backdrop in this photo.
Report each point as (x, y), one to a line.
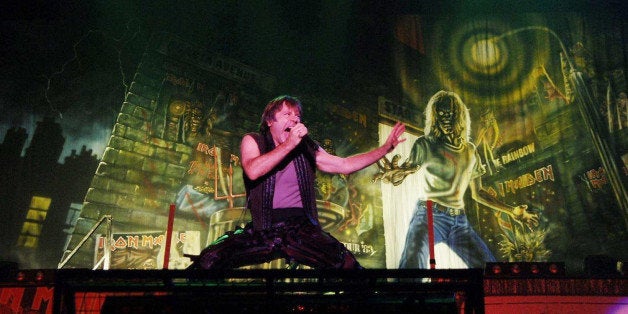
(75, 59)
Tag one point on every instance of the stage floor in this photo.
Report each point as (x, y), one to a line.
(306, 291)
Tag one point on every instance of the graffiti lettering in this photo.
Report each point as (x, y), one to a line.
(526, 180)
(237, 71)
(595, 178)
(358, 117)
(216, 63)
(136, 241)
(184, 82)
(11, 299)
(517, 154)
(360, 248)
(201, 168)
(43, 296)
(205, 149)
(178, 81)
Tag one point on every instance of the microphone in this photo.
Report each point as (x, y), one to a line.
(307, 141)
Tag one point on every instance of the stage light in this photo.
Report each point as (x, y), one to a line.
(20, 276)
(515, 269)
(39, 276)
(535, 269)
(525, 269)
(554, 269)
(31, 276)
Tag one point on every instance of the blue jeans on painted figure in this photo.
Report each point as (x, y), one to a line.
(455, 231)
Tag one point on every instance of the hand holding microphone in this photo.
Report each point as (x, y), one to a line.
(302, 133)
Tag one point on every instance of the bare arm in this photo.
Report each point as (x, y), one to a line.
(255, 164)
(334, 164)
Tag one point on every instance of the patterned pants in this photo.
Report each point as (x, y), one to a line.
(295, 239)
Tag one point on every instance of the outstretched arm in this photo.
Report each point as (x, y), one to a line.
(391, 172)
(335, 164)
(519, 213)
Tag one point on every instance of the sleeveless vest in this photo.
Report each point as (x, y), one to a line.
(260, 192)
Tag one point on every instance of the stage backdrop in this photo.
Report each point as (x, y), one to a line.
(547, 95)
(547, 100)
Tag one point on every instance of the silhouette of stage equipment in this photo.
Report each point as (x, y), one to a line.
(270, 291)
(603, 266)
(7, 269)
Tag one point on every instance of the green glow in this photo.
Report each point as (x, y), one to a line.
(485, 53)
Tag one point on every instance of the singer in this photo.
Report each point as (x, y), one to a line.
(280, 164)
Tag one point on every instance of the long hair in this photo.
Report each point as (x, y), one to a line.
(275, 105)
(462, 121)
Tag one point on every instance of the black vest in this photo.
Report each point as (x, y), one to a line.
(259, 199)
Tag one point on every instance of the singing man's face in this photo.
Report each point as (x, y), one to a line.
(286, 118)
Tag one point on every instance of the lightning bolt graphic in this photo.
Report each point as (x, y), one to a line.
(118, 45)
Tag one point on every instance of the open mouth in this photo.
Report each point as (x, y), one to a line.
(446, 126)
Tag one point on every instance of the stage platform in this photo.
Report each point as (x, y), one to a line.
(305, 291)
(274, 291)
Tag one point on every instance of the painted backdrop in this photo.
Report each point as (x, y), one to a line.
(130, 126)
(547, 100)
